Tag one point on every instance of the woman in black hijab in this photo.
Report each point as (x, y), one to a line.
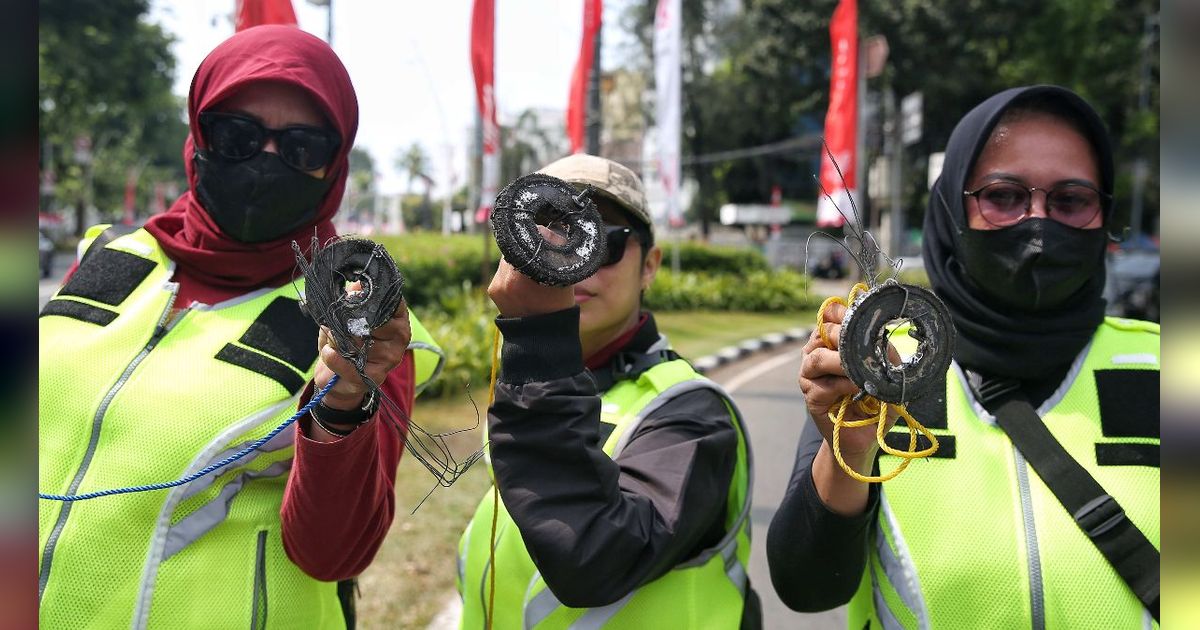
(1014, 245)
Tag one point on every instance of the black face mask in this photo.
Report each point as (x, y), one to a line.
(1035, 265)
(258, 199)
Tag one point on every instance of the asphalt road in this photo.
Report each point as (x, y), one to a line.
(765, 389)
(47, 286)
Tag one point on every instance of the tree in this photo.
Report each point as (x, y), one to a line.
(750, 77)
(105, 77)
(360, 189)
(415, 162)
(757, 72)
(526, 145)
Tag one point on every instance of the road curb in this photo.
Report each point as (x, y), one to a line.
(745, 348)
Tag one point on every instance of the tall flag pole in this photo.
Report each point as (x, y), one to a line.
(576, 101)
(841, 120)
(483, 28)
(256, 12)
(668, 68)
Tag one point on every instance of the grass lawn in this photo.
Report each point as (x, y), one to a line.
(695, 334)
(414, 571)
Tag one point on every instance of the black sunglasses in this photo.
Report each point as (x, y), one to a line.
(235, 137)
(616, 237)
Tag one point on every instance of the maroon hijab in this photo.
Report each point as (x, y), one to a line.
(211, 266)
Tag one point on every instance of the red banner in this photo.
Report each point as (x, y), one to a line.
(841, 121)
(577, 101)
(256, 12)
(483, 27)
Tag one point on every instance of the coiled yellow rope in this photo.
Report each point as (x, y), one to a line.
(876, 409)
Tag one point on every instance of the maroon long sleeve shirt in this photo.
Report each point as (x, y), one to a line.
(339, 500)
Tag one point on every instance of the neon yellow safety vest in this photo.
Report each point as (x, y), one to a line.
(972, 537)
(129, 396)
(705, 592)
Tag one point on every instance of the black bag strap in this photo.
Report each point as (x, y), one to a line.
(629, 366)
(1094, 510)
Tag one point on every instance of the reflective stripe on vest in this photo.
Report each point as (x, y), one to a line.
(978, 540)
(427, 353)
(693, 588)
(133, 399)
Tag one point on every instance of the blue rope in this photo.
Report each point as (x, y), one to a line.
(194, 476)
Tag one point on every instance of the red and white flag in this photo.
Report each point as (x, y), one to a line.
(483, 28)
(577, 101)
(668, 68)
(256, 12)
(841, 121)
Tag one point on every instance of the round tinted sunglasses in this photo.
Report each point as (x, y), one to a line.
(1006, 203)
(235, 137)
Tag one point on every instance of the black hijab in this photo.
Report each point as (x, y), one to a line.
(993, 339)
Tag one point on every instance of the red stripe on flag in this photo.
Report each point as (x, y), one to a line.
(841, 121)
(257, 12)
(576, 101)
(483, 26)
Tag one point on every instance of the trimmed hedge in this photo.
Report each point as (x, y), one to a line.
(431, 263)
(462, 324)
(695, 256)
(757, 291)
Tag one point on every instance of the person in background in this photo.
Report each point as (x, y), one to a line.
(172, 346)
(978, 535)
(623, 475)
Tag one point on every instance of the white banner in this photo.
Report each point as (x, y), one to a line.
(667, 86)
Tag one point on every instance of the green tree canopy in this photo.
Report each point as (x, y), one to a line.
(757, 72)
(105, 76)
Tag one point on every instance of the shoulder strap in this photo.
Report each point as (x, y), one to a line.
(629, 366)
(1094, 510)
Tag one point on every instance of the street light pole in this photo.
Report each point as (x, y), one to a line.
(593, 107)
(328, 4)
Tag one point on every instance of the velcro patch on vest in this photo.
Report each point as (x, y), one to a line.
(1124, 454)
(262, 364)
(930, 409)
(1129, 402)
(899, 441)
(606, 430)
(282, 330)
(108, 276)
(80, 311)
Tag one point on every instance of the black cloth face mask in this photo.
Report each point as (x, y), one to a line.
(259, 199)
(1037, 264)
(1025, 299)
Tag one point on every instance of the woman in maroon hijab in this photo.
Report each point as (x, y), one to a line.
(194, 347)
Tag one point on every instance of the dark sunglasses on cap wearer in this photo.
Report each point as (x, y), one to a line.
(235, 137)
(616, 237)
(1006, 203)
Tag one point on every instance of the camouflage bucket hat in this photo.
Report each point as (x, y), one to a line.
(608, 178)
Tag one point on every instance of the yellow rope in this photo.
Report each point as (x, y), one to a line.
(876, 409)
(491, 607)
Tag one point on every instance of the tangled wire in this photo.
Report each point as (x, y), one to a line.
(874, 311)
(351, 287)
(572, 246)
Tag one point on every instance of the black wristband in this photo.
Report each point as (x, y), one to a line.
(355, 416)
(330, 430)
